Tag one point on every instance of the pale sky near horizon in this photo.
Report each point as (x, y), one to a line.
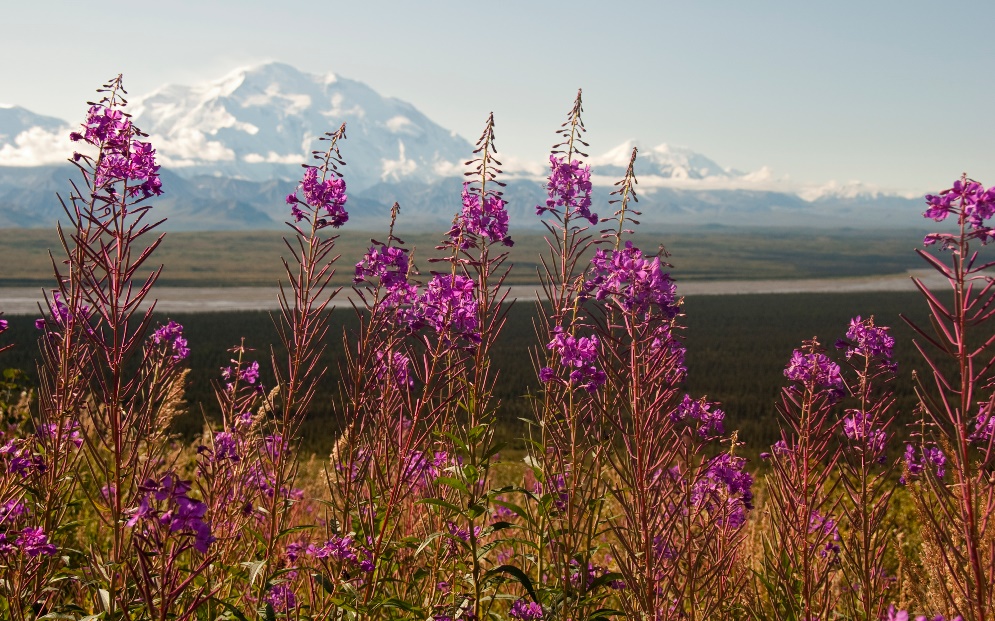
(893, 93)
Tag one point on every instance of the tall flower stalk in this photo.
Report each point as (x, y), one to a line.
(303, 327)
(957, 407)
(801, 533)
(567, 455)
(866, 474)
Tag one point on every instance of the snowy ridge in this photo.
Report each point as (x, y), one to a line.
(258, 122)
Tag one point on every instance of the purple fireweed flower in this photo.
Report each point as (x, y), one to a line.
(34, 542)
(422, 469)
(166, 502)
(489, 221)
(708, 417)
(569, 187)
(395, 366)
(248, 374)
(123, 158)
(863, 338)
(778, 448)
(328, 195)
(634, 282)
(281, 598)
(931, 456)
(11, 511)
(52, 433)
(984, 425)
(226, 447)
(815, 369)
(18, 458)
(7, 546)
(725, 486)
(827, 527)
(61, 313)
(338, 548)
(971, 203)
(525, 610)
(448, 307)
(579, 355)
(3, 325)
(390, 265)
(459, 534)
(731, 471)
(859, 428)
(557, 488)
(172, 335)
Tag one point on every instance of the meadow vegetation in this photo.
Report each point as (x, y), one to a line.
(626, 492)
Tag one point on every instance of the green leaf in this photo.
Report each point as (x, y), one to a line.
(295, 529)
(440, 503)
(493, 450)
(600, 581)
(517, 510)
(401, 605)
(454, 483)
(425, 543)
(518, 574)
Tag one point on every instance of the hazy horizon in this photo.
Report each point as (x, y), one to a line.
(816, 93)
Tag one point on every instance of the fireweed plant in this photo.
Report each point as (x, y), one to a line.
(949, 465)
(631, 501)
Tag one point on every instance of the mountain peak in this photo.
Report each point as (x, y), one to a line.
(259, 122)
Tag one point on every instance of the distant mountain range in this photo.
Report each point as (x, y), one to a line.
(231, 150)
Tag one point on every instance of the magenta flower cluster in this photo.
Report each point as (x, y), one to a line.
(569, 187)
(344, 550)
(396, 366)
(860, 429)
(390, 265)
(423, 468)
(930, 456)
(827, 527)
(725, 483)
(966, 199)
(863, 338)
(706, 416)
(579, 355)
(448, 307)
(61, 313)
(487, 219)
(122, 158)
(17, 457)
(984, 425)
(525, 610)
(815, 369)
(282, 598)
(167, 502)
(634, 282)
(248, 374)
(30, 541)
(328, 195)
(171, 334)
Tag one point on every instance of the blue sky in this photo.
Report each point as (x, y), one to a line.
(897, 94)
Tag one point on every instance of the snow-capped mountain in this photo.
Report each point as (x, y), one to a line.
(667, 161)
(232, 148)
(29, 139)
(257, 124)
